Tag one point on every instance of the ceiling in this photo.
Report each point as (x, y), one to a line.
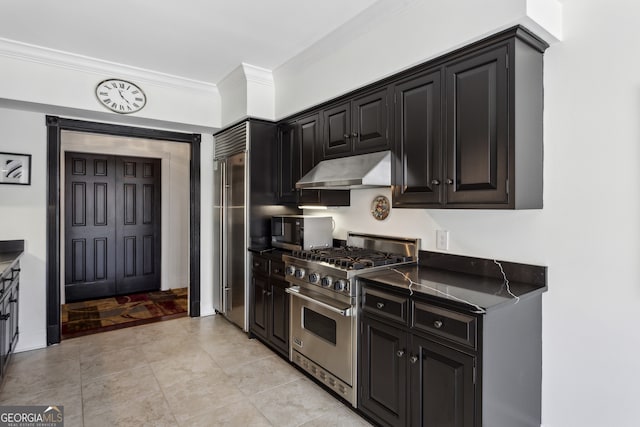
(202, 40)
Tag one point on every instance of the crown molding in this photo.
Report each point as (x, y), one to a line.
(56, 58)
(259, 75)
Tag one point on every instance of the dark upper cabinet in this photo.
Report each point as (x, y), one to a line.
(356, 126)
(418, 141)
(370, 122)
(477, 128)
(288, 170)
(308, 129)
(336, 140)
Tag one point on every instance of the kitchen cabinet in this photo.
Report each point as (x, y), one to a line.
(356, 125)
(10, 252)
(469, 128)
(298, 145)
(269, 304)
(410, 373)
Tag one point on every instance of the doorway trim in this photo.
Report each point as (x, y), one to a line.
(55, 125)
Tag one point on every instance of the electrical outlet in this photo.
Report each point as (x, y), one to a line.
(442, 240)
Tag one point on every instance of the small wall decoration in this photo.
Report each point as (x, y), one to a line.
(380, 208)
(15, 168)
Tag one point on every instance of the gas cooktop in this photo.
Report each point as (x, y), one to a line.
(352, 258)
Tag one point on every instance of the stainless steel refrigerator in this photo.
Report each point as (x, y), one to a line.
(244, 201)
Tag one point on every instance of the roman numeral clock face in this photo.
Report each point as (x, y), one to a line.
(120, 96)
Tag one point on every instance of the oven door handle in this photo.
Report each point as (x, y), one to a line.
(341, 311)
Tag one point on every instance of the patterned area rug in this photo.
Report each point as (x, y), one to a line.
(89, 317)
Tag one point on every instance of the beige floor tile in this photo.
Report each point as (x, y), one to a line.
(339, 417)
(240, 414)
(67, 396)
(63, 352)
(167, 347)
(105, 341)
(294, 403)
(229, 353)
(42, 377)
(261, 375)
(179, 368)
(196, 397)
(110, 362)
(125, 386)
(152, 410)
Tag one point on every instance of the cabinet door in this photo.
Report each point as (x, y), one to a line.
(279, 315)
(418, 141)
(336, 139)
(13, 319)
(383, 372)
(442, 385)
(259, 309)
(5, 322)
(370, 122)
(477, 129)
(288, 164)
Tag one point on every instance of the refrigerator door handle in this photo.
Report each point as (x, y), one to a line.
(224, 241)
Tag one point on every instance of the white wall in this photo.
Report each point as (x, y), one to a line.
(588, 233)
(174, 158)
(23, 216)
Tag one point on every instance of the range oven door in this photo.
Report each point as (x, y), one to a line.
(322, 329)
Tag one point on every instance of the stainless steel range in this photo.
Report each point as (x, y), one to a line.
(324, 303)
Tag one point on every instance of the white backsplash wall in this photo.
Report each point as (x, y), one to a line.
(479, 233)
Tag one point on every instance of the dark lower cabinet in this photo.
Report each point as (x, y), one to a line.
(269, 303)
(441, 385)
(9, 331)
(383, 376)
(425, 362)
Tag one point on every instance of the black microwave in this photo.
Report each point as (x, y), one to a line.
(301, 232)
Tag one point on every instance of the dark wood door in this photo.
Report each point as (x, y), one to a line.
(112, 225)
(336, 138)
(477, 129)
(418, 141)
(442, 385)
(138, 224)
(279, 315)
(383, 372)
(288, 169)
(258, 316)
(370, 122)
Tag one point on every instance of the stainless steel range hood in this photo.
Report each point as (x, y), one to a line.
(361, 171)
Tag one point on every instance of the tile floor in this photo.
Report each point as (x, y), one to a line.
(183, 372)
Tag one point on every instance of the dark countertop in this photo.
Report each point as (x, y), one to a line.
(474, 292)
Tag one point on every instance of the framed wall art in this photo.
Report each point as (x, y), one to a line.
(15, 168)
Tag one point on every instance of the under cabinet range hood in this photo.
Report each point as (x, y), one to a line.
(353, 172)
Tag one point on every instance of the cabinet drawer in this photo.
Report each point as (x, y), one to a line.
(277, 269)
(385, 305)
(260, 264)
(445, 323)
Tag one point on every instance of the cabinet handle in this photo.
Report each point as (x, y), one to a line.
(435, 182)
(413, 359)
(268, 294)
(400, 353)
(4, 316)
(354, 134)
(256, 264)
(345, 136)
(449, 181)
(380, 305)
(437, 324)
(276, 271)
(12, 300)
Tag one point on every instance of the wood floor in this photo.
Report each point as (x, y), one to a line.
(182, 372)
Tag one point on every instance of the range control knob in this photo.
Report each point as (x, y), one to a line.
(339, 285)
(299, 273)
(327, 281)
(314, 277)
(290, 270)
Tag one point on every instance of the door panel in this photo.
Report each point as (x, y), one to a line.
(138, 245)
(371, 122)
(112, 225)
(337, 131)
(90, 226)
(236, 238)
(279, 316)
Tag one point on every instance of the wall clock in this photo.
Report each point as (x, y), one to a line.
(120, 96)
